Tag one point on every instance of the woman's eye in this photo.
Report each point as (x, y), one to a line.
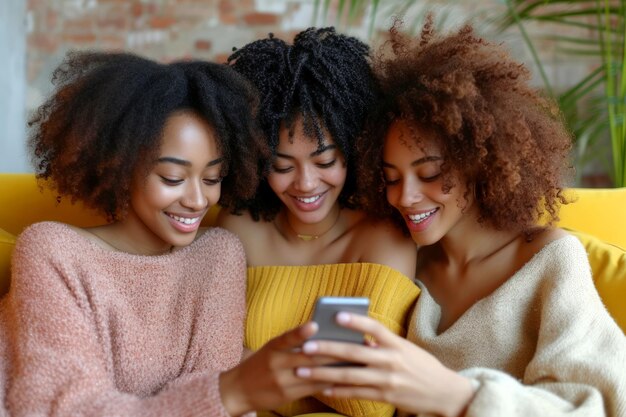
(325, 165)
(213, 181)
(389, 183)
(170, 181)
(281, 170)
(431, 177)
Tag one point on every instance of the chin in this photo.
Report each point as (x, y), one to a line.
(421, 239)
(310, 217)
(180, 241)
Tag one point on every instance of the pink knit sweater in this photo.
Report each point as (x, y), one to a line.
(90, 332)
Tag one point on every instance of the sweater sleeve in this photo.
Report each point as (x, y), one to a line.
(579, 366)
(59, 367)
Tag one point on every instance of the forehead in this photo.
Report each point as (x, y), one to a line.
(301, 143)
(403, 136)
(187, 133)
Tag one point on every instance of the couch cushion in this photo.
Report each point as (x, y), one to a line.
(608, 265)
(31, 204)
(598, 212)
(7, 241)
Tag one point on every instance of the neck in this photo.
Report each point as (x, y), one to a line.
(469, 241)
(309, 232)
(125, 236)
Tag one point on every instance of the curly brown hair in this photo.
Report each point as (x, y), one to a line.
(103, 124)
(496, 133)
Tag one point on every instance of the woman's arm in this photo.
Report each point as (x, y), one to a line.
(578, 366)
(59, 365)
(61, 368)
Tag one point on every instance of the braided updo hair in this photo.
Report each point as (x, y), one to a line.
(323, 77)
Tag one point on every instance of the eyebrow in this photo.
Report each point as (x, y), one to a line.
(186, 163)
(416, 162)
(317, 152)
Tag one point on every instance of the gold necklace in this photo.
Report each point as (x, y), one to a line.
(308, 238)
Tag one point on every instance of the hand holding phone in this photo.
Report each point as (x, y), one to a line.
(326, 310)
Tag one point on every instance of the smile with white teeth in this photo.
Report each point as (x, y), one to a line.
(418, 218)
(308, 200)
(185, 220)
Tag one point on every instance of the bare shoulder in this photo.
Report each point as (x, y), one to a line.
(544, 237)
(539, 240)
(384, 243)
(252, 234)
(236, 223)
(380, 228)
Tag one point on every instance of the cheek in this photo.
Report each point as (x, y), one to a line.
(278, 182)
(337, 175)
(156, 195)
(393, 194)
(213, 194)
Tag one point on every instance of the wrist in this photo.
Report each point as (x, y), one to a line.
(233, 400)
(458, 396)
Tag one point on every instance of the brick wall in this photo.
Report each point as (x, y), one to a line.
(159, 29)
(205, 29)
(163, 29)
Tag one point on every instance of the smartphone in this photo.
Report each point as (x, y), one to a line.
(327, 308)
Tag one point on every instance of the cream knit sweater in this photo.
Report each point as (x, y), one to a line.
(541, 345)
(90, 332)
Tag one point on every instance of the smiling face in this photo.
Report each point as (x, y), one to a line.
(306, 177)
(166, 207)
(412, 171)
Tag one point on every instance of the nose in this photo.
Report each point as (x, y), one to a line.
(195, 197)
(307, 179)
(410, 193)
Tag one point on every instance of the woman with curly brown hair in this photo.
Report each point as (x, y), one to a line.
(508, 322)
(303, 231)
(143, 315)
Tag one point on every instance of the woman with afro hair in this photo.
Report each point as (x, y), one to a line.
(509, 322)
(142, 316)
(303, 231)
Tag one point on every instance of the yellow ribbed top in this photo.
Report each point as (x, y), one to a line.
(280, 298)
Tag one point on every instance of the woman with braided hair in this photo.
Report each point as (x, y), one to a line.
(303, 232)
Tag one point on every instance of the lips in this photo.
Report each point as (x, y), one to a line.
(185, 224)
(310, 202)
(418, 222)
(418, 218)
(185, 220)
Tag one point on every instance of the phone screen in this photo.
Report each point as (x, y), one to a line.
(327, 308)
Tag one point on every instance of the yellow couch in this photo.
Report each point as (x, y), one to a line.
(597, 217)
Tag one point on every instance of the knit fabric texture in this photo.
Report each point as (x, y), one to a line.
(542, 344)
(91, 332)
(282, 297)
